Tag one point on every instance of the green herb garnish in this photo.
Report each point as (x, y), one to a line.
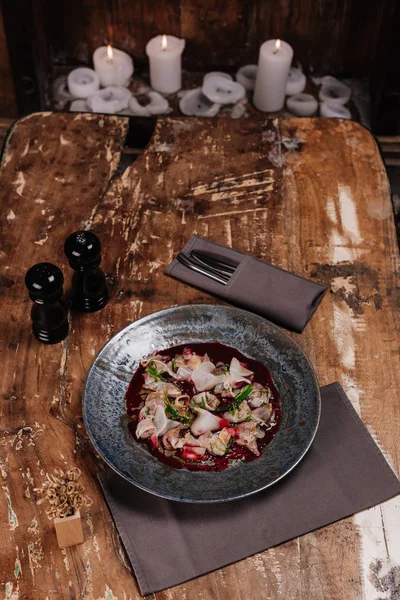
(243, 394)
(157, 376)
(229, 445)
(237, 401)
(174, 367)
(175, 415)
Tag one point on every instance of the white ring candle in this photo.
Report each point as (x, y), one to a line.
(61, 94)
(327, 109)
(219, 74)
(274, 63)
(137, 109)
(165, 57)
(296, 82)
(83, 82)
(194, 103)
(334, 91)
(110, 100)
(157, 106)
(246, 76)
(113, 66)
(302, 105)
(223, 91)
(79, 106)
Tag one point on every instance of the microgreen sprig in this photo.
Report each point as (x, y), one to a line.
(236, 402)
(151, 371)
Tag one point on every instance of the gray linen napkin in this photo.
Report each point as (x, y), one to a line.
(170, 542)
(278, 295)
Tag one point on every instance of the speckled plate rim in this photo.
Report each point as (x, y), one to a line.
(151, 491)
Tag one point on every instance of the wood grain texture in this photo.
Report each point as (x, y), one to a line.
(318, 204)
(331, 36)
(8, 106)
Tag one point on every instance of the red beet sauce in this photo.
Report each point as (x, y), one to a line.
(216, 353)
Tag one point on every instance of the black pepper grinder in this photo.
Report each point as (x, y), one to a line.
(89, 288)
(49, 314)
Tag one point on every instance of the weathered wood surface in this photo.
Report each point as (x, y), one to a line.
(317, 204)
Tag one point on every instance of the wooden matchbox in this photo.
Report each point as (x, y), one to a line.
(69, 530)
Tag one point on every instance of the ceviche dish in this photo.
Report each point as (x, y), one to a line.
(202, 407)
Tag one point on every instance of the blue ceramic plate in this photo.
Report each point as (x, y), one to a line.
(112, 370)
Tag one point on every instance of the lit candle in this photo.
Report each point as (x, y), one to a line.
(273, 69)
(338, 111)
(302, 105)
(113, 66)
(83, 82)
(165, 57)
(296, 82)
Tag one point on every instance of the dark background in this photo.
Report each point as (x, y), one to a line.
(351, 38)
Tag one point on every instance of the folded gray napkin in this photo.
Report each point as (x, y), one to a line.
(170, 542)
(282, 297)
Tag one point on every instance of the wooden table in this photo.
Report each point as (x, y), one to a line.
(316, 203)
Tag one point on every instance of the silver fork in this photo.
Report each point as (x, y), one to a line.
(202, 268)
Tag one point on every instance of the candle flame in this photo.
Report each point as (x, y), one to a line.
(109, 52)
(277, 45)
(164, 42)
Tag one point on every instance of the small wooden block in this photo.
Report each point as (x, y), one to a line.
(69, 530)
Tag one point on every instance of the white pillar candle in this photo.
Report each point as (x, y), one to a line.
(247, 76)
(83, 82)
(334, 91)
(222, 91)
(165, 57)
(338, 111)
(110, 100)
(302, 105)
(194, 103)
(272, 72)
(113, 66)
(296, 82)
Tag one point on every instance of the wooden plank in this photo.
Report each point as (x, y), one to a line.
(8, 106)
(337, 202)
(388, 139)
(323, 211)
(82, 26)
(24, 40)
(54, 173)
(216, 33)
(325, 35)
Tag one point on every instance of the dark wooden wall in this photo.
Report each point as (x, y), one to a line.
(342, 37)
(8, 106)
(332, 36)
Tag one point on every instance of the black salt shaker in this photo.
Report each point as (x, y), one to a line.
(89, 288)
(49, 314)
